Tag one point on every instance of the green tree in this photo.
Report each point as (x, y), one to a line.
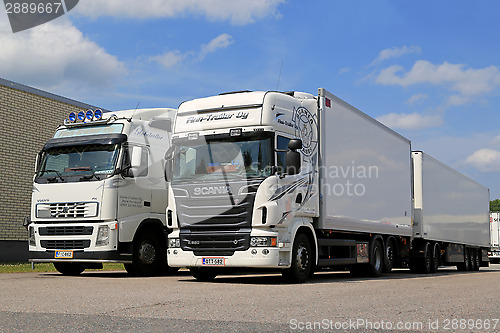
(495, 205)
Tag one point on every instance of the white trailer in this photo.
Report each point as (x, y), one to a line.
(298, 182)
(494, 252)
(451, 210)
(99, 193)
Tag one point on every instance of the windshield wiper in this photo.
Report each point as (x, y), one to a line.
(85, 169)
(52, 178)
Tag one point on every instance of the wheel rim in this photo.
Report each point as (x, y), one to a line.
(302, 258)
(436, 257)
(147, 253)
(377, 255)
(389, 253)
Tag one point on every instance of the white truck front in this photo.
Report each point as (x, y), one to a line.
(99, 193)
(234, 200)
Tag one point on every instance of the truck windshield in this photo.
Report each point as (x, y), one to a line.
(227, 158)
(77, 163)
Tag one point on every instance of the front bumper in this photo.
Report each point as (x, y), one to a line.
(254, 257)
(80, 256)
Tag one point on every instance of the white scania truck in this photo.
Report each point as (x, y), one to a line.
(298, 182)
(99, 193)
(494, 253)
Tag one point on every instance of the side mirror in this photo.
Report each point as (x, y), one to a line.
(168, 169)
(292, 162)
(295, 144)
(38, 160)
(293, 158)
(169, 155)
(135, 160)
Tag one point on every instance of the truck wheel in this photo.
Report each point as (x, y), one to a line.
(478, 260)
(475, 260)
(436, 258)
(422, 264)
(203, 273)
(376, 259)
(147, 256)
(301, 265)
(465, 266)
(389, 255)
(69, 268)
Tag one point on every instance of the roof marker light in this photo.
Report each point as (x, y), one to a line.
(98, 114)
(81, 116)
(72, 117)
(89, 114)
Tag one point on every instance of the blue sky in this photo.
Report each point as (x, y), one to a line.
(431, 70)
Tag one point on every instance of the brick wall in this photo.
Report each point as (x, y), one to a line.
(28, 118)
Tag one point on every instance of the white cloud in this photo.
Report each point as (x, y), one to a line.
(220, 42)
(173, 58)
(238, 12)
(54, 54)
(417, 98)
(344, 70)
(169, 59)
(485, 160)
(467, 82)
(395, 52)
(410, 121)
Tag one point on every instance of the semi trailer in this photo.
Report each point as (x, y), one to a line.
(494, 253)
(99, 193)
(294, 182)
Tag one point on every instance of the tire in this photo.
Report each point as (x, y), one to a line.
(476, 260)
(302, 260)
(203, 273)
(465, 266)
(436, 258)
(69, 268)
(422, 264)
(149, 257)
(389, 255)
(376, 258)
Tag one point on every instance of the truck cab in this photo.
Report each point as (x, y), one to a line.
(99, 193)
(239, 187)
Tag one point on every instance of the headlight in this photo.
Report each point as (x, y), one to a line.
(174, 242)
(102, 236)
(263, 241)
(31, 232)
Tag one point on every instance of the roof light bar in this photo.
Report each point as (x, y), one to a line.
(84, 116)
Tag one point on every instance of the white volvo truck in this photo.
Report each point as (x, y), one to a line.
(99, 193)
(494, 253)
(297, 182)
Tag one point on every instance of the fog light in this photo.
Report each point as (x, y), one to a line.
(254, 251)
(265, 252)
(102, 236)
(174, 242)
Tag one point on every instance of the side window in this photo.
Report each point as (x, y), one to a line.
(126, 164)
(281, 143)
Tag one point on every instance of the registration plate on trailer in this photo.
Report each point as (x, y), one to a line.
(63, 254)
(213, 262)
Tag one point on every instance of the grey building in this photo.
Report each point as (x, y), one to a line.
(29, 117)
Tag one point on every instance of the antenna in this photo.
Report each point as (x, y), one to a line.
(279, 76)
(135, 110)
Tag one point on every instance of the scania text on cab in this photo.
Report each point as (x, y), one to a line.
(99, 193)
(298, 182)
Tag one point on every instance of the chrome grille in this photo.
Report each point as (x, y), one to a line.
(76, 244)
(65, 231)
(67, 210)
